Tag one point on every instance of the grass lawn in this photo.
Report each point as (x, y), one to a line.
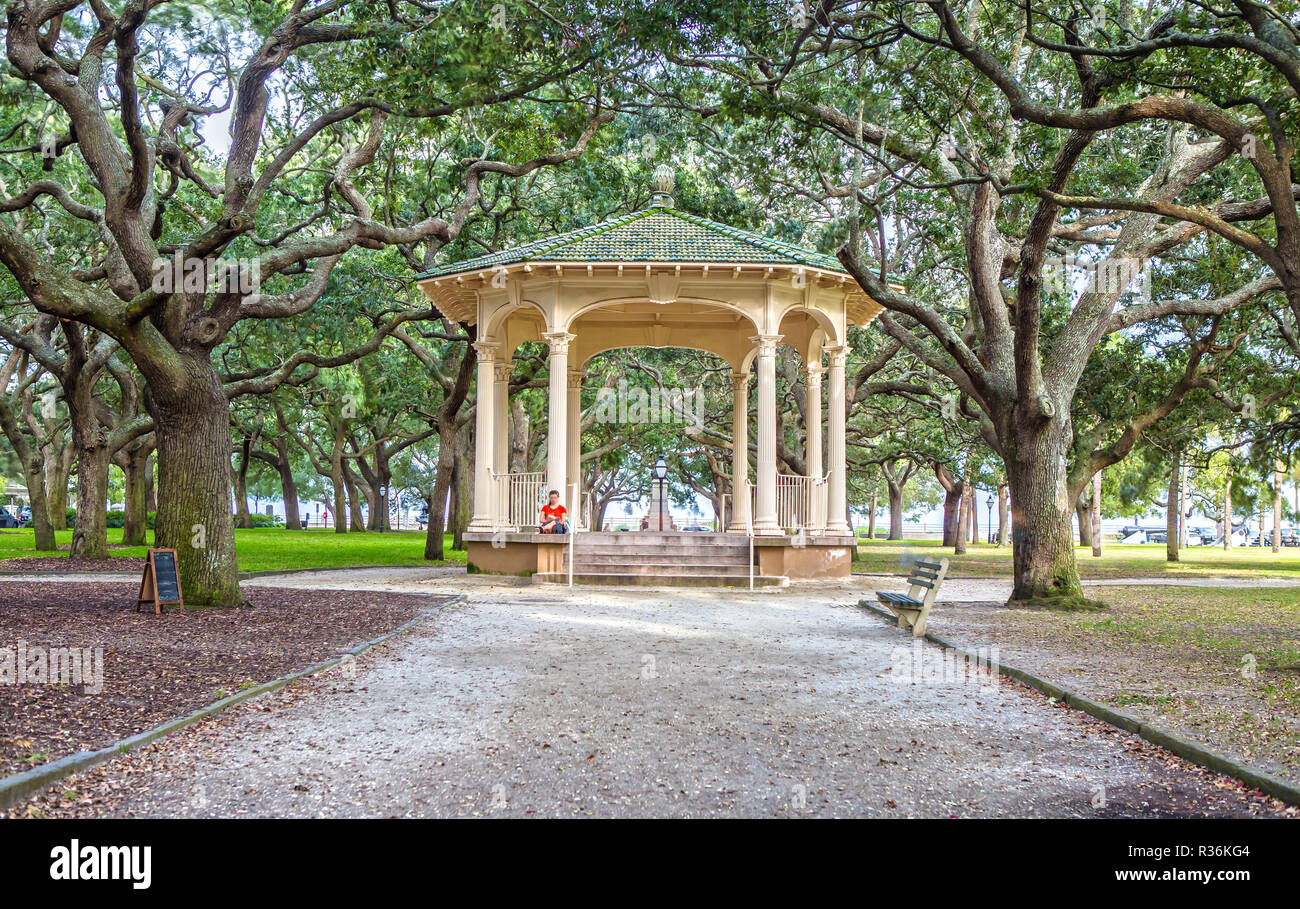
(1218, 665)
(1143, 561)
(268, 548)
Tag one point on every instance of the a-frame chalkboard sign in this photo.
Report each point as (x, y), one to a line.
(161, 585)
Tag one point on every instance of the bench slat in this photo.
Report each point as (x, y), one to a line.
(900, 599)
(933, 566)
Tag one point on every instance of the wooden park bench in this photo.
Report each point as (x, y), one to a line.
(912, 608)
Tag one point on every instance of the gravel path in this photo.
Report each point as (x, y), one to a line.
(535, 701)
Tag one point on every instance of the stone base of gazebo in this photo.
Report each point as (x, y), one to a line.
(813, 557)
(518, 554)
(671, 558)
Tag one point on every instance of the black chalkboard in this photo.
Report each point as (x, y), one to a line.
(169, 585)
(160, 583)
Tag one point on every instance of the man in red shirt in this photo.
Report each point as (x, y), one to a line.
(552, 520)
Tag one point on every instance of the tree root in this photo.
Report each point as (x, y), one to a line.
(1065, 602)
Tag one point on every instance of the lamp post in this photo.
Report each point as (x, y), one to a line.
(659, 472)
(989, 502)
(383, 506)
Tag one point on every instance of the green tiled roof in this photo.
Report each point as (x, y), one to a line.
(658, 234)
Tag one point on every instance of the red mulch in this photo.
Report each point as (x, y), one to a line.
(159, 667)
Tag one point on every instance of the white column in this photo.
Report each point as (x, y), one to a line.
(557, 412)
(574, 455)
(813, 450)
(837, 514)
(485, 506)
(765, 518)
(739, 453)
(501, 413)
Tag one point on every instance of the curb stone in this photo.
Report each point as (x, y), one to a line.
(18, 786)
(1184, 748)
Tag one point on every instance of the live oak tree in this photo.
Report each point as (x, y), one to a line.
(966, 153)
(131, 86)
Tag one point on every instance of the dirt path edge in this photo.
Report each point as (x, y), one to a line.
(18, 786)
(1184, 748)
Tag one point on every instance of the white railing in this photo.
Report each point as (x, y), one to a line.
(573, 532)
(801, 503)
(749, 529)
(519, 497)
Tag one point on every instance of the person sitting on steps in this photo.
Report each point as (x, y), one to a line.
(552, 520)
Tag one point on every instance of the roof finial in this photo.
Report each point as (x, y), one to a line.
(661, 187)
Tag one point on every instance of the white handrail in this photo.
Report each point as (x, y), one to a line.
(749, 529)
(573, 535)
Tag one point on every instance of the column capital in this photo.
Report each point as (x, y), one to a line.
(558, 341)
(767, 343)
(837, 356)
(739, 380)
(575, 378)
(487, 350)
(503, 369)
(815, 371)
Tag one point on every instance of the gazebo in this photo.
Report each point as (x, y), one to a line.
(659, 277)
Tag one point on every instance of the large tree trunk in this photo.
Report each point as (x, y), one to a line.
(951, 506)
(895, 510)
(1083, 516)
(1173, 508)
(1043, 548)
(354, 501)
(963, 520)
(288, 488)
(192, 427)
(135, 469)
(433, 543)
(951, 503)
(57, 468)
(42, 524)
(462, 509)
(30, 460)
(242, 517)
(377, 519)
(90, 532)
(384, 474)
(871, 519)
(336, 479)
(367, 481)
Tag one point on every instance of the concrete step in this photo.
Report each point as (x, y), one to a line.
(584, 545)
(667, 560)
(657, 580)
(663, 570)
(649, 538)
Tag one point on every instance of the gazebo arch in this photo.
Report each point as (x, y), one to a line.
(660, 277)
